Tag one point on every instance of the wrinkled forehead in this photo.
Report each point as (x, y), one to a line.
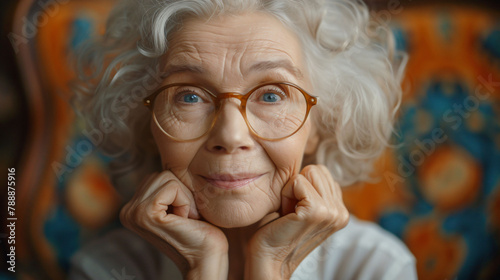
(243, 42)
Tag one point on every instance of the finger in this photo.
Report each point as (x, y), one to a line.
(269, 218)
(177, 230)
(164, 178)
(170, 198)
(327, 172)
(154, 183)
(335, 188)
(328, 177)
(339, 212)
(288, 201)
(193, 211)
(169, 228)
(147, 188)
(302, 191)
(318, 180)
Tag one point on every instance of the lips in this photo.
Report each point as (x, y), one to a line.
(231, 181)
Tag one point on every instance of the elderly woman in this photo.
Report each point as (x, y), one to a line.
(261, 110)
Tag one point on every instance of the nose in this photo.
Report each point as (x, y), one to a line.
(230, 133)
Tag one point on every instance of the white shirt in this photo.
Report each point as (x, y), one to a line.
(362, 250)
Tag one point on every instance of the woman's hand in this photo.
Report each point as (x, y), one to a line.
(312, 209)
(163, 212)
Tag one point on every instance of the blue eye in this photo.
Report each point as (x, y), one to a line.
(270, 97)
(191, 98)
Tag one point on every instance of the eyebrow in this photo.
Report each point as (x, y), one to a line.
(270, 65)
(173, 69)
(257, 67)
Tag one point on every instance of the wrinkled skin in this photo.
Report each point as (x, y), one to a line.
(267, 225)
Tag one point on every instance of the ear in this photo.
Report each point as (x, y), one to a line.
(312, 140)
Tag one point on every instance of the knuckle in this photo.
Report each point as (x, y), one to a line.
(133, 217)
(323, 212)
(137, 216)
(167, 175)
(158, 218)
(344, 218)
(324, 169)
(157, 201)
(142, 215)
(341, 218)
(124, 215)
(298, 177)
(308, 169)
(319, 214)
(331, 218)
(128, 217)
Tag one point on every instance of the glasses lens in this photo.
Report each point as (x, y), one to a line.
(184, 112)
(276, 111)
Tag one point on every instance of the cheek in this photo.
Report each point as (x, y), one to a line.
(175, 156)
(288, 153)
(287, 159)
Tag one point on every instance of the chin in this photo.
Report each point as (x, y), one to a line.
(234, 216)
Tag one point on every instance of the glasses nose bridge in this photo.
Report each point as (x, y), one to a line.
(226, 95)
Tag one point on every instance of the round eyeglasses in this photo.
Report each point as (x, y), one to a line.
(272, 111)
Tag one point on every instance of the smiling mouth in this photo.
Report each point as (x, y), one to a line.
(230, 181)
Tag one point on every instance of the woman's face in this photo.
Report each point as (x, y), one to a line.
(236, 178)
